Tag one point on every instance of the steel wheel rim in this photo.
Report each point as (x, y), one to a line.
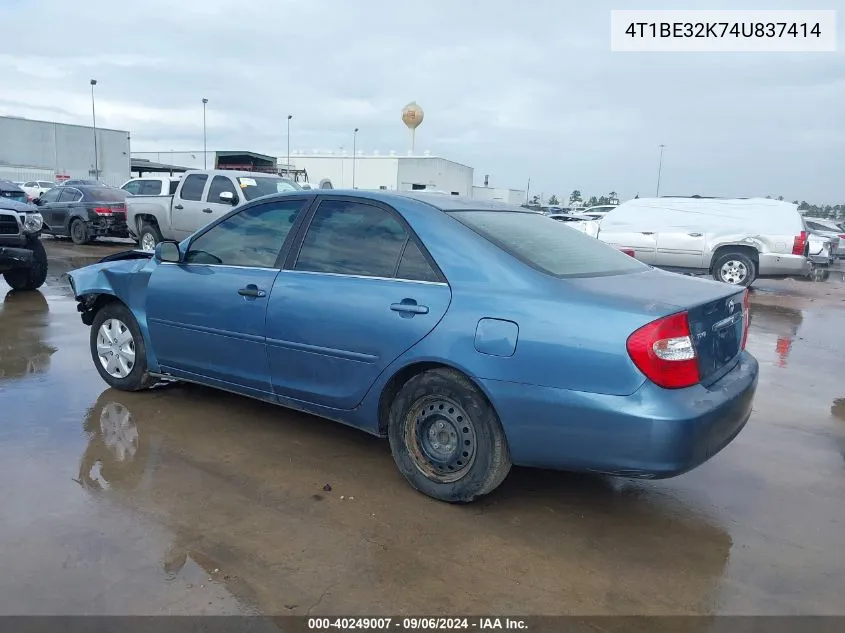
(116, 348)
(733, 272)
(441, 438)
(119, 432)
(148, 242)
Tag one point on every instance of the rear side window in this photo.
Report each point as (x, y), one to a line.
(415, 266)
(350, 238)
(174, 185)
(149, 188)
(193, 186)
(52, 195)
(549, 246)
(132, 187)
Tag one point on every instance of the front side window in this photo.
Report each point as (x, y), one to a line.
(70, 195)
(254, 237)
(51, 196)
(257, 186)
(193, 186)
(551, 247)
(350, 238)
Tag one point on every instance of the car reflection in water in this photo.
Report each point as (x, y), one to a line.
(773, 329)
(241, 489)
(23, 321)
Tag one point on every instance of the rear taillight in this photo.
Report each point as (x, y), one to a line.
(799, 243)
(842, 236)
(628, 251)
(746, 317)
(102, 210)
(664, 352)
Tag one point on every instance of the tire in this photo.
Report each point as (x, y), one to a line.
(79, 232)
(115, 319)
(32, 277)
(737, 266)
(149, 232)
(446, 439)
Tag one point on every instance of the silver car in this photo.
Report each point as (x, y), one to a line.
(828, 228)
(734, 240)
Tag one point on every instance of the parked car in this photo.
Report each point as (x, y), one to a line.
(11, 191)
(36, 188)
(734, 240)
(152, 185)
(23, 260)
(830, 229)
(84, 212)
(200, 197)
(599, 211)
(454, 327)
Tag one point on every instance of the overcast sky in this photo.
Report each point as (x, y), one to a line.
(514, 89)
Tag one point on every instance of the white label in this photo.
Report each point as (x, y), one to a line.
(723, 31)
(247, 182)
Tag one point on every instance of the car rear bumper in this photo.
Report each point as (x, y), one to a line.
(653, 433)
(12, 257)
(774, 265)
(109, 226)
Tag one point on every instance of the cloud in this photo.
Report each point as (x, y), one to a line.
(517, 91)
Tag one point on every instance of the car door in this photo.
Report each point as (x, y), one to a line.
(188, 215)
(214, 207)
(356, 293)
(206, 314)
(45, 208)
(642, 242)
(679, 247)
(62, 210)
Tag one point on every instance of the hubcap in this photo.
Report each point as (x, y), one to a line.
(77, 230)
(116, 348)
(148, 242)
(441, 439)
(733, 272)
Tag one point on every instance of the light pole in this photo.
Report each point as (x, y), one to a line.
(94, 121)
(204, 146)
(659, 169)
(354, 153)
(287, 166)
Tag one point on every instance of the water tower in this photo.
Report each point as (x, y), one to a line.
(412, 116)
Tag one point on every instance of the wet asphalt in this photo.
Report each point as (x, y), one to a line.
(184, 500)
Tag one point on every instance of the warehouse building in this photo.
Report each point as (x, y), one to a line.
(43, 150)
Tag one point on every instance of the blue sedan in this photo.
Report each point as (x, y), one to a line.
(473, 335)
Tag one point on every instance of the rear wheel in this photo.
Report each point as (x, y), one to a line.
(79, 232)
(446, 439)
(149, 236)
(735, 268)
(117, 349)
(32, 277)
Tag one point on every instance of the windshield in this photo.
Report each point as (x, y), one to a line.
(257, 186)
(547, 245)
(105, 195)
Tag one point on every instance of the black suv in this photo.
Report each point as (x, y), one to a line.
(23, 260)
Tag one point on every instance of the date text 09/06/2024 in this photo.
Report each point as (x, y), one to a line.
(417, 624)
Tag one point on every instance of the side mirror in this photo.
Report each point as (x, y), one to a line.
(36, 202)
(168, 252)
(227, 197)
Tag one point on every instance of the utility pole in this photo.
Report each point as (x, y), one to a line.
(94, 120)
(527, 190)
(287, 167)
(204, 145)
(659, 169)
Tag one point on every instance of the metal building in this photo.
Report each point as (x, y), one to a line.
(43, 150)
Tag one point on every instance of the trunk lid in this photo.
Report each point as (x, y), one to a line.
(714, 309)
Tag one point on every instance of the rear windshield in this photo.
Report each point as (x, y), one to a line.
(105, 195)
(547, 245)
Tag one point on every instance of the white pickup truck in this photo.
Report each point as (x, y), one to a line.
(200, 197)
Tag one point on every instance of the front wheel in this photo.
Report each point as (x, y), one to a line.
(117, 349)
(446, 439)
(735, 268)
(32, 277)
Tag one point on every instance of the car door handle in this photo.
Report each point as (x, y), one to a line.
(178, 206)
(694, 234)
(206, 210)
(252, 291)
(409, 306)
(647, 232)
